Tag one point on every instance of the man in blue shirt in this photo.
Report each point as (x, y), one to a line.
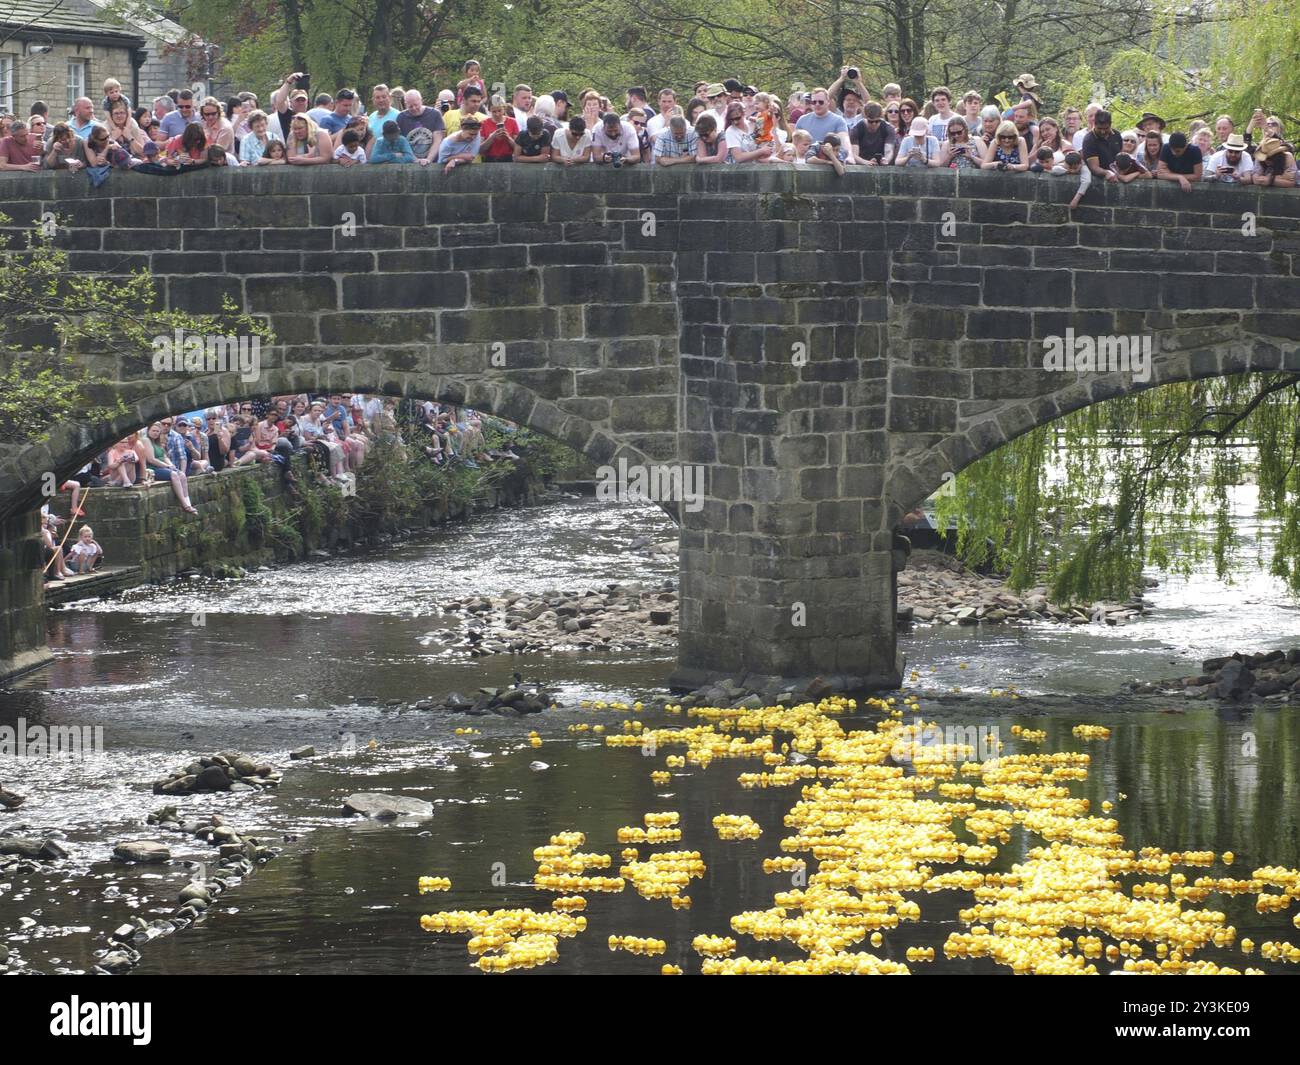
(337, 411)
(821, 121)
(82, 119)
(342, 113)
(461, 146)
(381, 96)
(174, 122)
(177, 452)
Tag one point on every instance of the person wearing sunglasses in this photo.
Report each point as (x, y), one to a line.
(907, 113)
(873, 141)
(1008, 151)
(891, 112)
(959, 152)
(39, 125)
(173, 123)
(216, 128)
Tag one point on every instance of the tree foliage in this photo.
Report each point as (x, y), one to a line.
(1089, 500)
(66, 334)
(1188, 58)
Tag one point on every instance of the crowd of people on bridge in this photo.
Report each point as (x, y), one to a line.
(336, 429)
(841, 126)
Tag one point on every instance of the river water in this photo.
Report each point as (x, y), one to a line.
(314, 653)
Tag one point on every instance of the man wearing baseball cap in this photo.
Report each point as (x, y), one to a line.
(289, 100)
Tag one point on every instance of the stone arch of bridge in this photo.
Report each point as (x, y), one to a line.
(1176, 359)
(70, 446)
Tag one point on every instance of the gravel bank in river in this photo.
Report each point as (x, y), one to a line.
(936, 588)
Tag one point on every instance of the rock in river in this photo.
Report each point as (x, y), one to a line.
(144, 850)
(386, 807)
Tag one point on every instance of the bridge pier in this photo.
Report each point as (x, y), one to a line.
(792, 606)
(22, 596)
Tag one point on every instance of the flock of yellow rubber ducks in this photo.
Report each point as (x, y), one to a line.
(866, 835)
(737, 826)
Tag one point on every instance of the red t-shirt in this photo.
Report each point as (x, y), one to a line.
(174, 145)
(13, 152)
(500, 149)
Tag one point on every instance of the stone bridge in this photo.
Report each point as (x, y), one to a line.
(825, 350)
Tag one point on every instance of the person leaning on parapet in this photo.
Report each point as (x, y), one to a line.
(1180, 162)
(1072, 166)
(392, 147)
(533, 145)
(1008, 152)
(498, 133)
(873, 141)
(20, 150)
(1101, 146)
(571, 144)
(1274, 163)
(423, 127)
(463, 145)
(1232, 163)
(677, 144)
(615, 142)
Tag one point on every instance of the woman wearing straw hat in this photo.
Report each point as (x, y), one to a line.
(1274, 164)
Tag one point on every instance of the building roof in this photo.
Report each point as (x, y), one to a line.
(140, 16)
(58, 18)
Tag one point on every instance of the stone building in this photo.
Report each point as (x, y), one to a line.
(169, 46)
(58, 51)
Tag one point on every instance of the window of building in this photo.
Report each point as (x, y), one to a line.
(76, 80)
(6, 82)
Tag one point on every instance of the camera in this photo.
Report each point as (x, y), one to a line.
(304, 81)
(616, 159)
(445, 106)
(854, 73)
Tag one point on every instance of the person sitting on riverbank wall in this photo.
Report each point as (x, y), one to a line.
(85, 554)
(842, 124)
(55, 565)
(208, 442)
(340, 430)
